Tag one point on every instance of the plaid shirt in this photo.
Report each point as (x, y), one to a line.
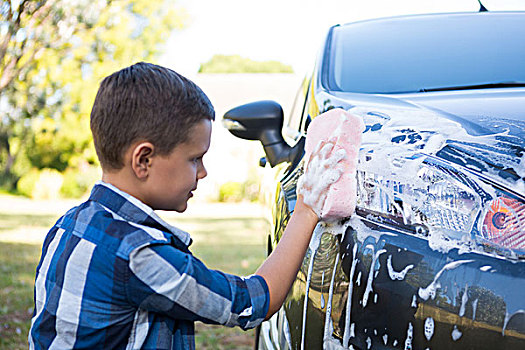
(113, 275)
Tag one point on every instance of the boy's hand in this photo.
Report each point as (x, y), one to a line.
(320, 173)
(280, 268)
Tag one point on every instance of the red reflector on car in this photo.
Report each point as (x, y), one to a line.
(504, 223)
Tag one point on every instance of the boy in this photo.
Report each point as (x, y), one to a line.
(113, 275)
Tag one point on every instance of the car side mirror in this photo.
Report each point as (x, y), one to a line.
(263, 121)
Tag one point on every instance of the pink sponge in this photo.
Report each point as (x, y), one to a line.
(345, 129)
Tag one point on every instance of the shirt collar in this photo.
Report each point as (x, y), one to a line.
(132, 209)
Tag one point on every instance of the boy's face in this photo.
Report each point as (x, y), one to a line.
(174, 177)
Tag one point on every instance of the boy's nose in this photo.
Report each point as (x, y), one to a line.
(202, 173)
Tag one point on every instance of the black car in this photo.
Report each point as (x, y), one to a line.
(434, 256)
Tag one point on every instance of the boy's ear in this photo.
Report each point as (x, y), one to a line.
(141, 159)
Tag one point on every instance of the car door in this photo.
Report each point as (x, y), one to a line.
(320, 310)
(288, 328)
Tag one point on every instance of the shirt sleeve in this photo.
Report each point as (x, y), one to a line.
(166, 280)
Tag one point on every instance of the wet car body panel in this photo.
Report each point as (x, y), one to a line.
(374, 282)
(393, 302)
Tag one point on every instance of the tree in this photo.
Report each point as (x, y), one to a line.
(238, 64)
(52, 55)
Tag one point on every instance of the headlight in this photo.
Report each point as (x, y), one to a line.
(451, 208)
(504, 223)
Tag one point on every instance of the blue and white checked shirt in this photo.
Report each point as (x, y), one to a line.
(113, 275)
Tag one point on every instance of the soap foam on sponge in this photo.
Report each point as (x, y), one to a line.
(344, 129)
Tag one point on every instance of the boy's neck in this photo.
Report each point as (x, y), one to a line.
(124, 182)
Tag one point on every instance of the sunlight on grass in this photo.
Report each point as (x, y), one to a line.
(17, 270)
(231, 244)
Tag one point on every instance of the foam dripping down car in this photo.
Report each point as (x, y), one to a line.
(434, 255)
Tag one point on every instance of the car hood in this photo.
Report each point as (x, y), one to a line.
(486, 112)
(480, 130)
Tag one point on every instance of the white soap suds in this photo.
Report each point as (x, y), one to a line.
(456, 333)
(485, 268)
(375, 298)
(408, 136)
(520, 168)
(358, 280)
(335, 228)
(408, 341)
(385, 338)
(395, 342)
(507, 319)
(329, 342)
(368, 343)
(265, 329)
(474, 307)
(346, 335)
(429, 328)
(322, 294)
(316, 237)
(414, 303)
(371, 276)
(397, 275)
(464, 300)
(328, 328)
(364, 232)
(430, 290)
(313, 246)
(333, 344)
(321, 172)
(273, 325)
(440, 241)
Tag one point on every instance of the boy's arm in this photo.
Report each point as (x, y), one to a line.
(280, 268)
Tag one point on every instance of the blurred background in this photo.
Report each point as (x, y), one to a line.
(53, 55)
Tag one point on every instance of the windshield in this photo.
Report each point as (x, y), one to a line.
(426, 53)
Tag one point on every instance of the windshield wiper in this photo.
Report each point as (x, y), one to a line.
(477, 86)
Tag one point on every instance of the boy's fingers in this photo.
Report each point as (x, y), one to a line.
(317, 148)
(300, 184)
(336, 157)
(322, 199)
(333, 176)
(326, 149)
(313, 155)
(320, 173)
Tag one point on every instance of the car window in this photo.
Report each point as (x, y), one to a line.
(419, 53)
(293, 128)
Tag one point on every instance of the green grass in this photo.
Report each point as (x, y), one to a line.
(17, 272)
(16, 221)
(232, 245)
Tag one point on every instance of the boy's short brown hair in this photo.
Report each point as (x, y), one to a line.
(145, 102)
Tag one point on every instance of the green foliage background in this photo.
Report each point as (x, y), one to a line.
(238, 64)
(53, 55)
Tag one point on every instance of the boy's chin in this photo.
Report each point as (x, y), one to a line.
(179, 208)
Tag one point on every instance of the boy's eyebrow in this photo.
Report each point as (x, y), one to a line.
(200, 154)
